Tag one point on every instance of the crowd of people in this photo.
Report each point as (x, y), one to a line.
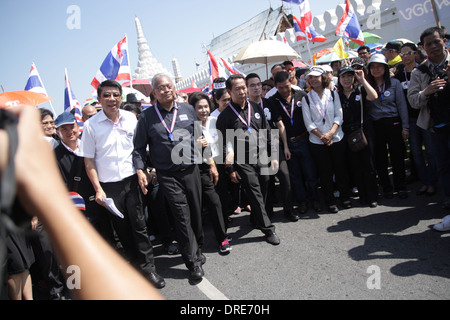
(168, 168)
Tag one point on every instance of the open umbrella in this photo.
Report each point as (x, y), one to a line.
(401, 40)
(322, 52)
(368, 38)
(330, 57)
(265, 52)
(299, 64)
(12, 99)
(142, 85)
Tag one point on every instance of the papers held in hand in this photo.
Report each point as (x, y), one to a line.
(109, 203)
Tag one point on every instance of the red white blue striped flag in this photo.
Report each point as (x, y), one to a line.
(116, 66)
(313, 35)
(71, 103)
(349, 26)
(78, 201)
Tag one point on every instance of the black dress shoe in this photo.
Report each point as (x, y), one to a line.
(156, 280)
(196, 273)
(333, 209)
(373, 204)
(273, 239)
(317, 206)
(291, 215)
(388, 195)
(302, 208)
(403, 194)
(347, 204)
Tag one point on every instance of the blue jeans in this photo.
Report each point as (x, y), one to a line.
(302, 169)
(417, 138)
(442, 156)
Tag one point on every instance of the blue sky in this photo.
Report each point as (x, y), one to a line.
(36, 31)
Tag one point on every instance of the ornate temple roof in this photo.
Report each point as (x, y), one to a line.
(147, 65)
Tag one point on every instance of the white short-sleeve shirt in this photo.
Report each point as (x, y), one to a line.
(322, 113)
(110, 145)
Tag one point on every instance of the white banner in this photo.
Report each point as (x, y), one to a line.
(417, 13)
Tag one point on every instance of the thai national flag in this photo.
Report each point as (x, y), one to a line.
(34, 83)
(213, 67)
(305, 13)
(206, 89)
(71, 103)
(78, 201)
(116, 66)
(349, 26)
(231, 69)
(313, 35)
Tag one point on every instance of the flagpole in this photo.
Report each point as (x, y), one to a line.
(129, 64)
(307, 45)
(51, 105)
(436, 16)
(306, 36)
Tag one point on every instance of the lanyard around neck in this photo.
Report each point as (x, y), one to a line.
(172, 126)
(291, 115)
(249, 117)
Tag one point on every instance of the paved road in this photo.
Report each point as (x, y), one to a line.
(388, 252)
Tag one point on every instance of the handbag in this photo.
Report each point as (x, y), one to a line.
(357, 140)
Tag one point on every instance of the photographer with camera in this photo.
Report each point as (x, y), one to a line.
(429, 91)
(41, 190)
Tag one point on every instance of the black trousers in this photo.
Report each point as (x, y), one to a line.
(332, 160)
(46, 267)
(132, 230)
(285, 189)
(256, 186)
(362, 168)
(229, 192)
(212, 202)
(389, 141)
(184, 195)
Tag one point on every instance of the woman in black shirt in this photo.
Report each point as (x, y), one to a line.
(352, 96)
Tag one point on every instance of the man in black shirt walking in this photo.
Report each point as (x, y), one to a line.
(243, 124)
(168, 131)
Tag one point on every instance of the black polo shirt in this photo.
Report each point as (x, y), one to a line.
(228, 120)
(297, 128)
(351, 109)
(165, 154)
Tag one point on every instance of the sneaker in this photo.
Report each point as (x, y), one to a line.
(225, 247)
(171, 249)
(444, 225)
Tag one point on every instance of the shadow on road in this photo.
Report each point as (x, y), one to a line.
(386, 237)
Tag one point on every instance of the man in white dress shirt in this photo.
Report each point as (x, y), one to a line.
(107, 146)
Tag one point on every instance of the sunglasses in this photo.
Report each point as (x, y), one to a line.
(407, 54)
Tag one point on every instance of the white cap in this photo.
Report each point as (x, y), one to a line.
(326, 68)
(314, 72)
(378, 58)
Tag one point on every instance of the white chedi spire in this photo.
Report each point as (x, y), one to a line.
(147, 66)
(176, 70)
